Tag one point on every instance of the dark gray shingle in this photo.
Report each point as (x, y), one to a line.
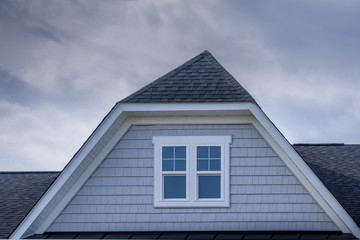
(201, 79)
(201, 235)
(338, 167)
(19, 191)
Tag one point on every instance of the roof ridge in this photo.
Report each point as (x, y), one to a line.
(167, 75)
(325, 144)
(318, 144)
(227, 76)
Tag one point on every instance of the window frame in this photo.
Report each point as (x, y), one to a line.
(192, 181)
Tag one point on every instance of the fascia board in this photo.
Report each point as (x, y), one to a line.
(310, 180)
(184, 107)
(84, 177)
(66, 172)
(214, 109)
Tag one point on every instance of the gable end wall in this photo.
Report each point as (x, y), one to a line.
(264, 194)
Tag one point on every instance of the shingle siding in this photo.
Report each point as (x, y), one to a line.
(264, 193)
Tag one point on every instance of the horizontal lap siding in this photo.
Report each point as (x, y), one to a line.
(264, 193)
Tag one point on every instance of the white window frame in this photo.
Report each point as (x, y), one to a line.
(191, 143)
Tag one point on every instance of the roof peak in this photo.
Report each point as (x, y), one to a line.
(200, 79)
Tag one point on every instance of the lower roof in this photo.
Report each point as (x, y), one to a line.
(338, 167)
(19, 192)
(197, 235)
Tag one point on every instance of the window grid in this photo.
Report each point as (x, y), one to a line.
(190, 172)
(177, 163)
(208, 172)
(212, 158)
(174, 172)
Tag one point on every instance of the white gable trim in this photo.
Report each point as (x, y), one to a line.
(306, 176)
(122, 116)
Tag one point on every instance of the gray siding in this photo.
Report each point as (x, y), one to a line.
(264, 193)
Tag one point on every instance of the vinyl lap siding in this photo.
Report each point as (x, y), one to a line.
(264, 193)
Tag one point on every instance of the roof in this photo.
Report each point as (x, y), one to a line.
(198, 235)
(19, 193)
(201, 79)
(338, 167)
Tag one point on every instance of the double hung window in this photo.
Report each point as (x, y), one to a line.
(191, 171)
(174, 171)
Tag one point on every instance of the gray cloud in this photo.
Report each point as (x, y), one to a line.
(42, 32)
(14, 89)
(64, 64)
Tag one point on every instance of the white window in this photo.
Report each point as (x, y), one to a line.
(191, 171)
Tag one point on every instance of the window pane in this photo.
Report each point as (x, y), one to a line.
(215, 165)
(168, 152)
(209, 158)
(174, 158)
(180, 152)
(174, 187)
(202, 152)
(202, 165)
(215, 152)
(209, 186)
(180, 165)
(168, 165)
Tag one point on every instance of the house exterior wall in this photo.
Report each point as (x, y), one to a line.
(264, 194)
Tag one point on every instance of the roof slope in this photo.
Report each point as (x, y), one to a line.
(338, 167)
(201, 79)
(19, 191)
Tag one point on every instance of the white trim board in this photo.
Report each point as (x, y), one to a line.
(122, 116)
(191, 173)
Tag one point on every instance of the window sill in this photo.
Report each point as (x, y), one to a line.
(215, 203)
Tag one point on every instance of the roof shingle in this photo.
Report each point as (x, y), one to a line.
(201, 79)
(338, 167)
(19, 192)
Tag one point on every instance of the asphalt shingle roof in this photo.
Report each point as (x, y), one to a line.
(338, 167)
(19, 191)
(201, 79)
(215, 235)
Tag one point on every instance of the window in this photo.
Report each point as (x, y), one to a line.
(209, 171)
(174, 172)
(191, 171)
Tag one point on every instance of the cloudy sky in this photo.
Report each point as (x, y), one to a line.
(64, 64)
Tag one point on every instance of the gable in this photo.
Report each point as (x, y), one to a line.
(264, 193)
(191, 107)
(204, 114)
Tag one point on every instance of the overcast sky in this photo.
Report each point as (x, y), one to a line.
(64, 64)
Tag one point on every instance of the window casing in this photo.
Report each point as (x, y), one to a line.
(191, 171)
